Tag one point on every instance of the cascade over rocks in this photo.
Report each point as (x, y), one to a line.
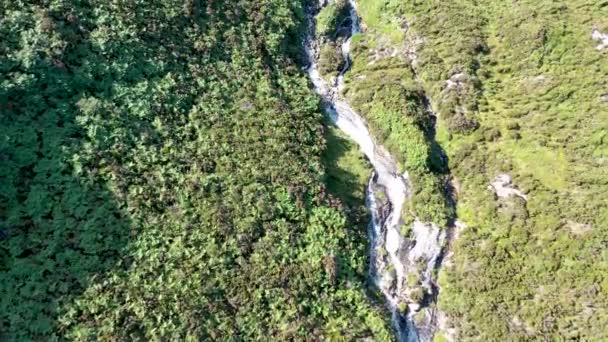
(403, 255)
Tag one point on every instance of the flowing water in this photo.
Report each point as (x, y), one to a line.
(393, 257)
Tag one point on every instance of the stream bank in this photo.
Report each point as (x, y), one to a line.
(404, 253)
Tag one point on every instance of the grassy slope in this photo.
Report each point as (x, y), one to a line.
(532, 82)
(543, 83)
(162, 178)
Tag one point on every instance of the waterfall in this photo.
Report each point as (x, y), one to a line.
(393, 256)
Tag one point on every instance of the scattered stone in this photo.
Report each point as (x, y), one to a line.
(531, 84)
(539, 79)
(382, 53)
(502, 186)
(517, 324)
(411, 49)
(453, 235)
(455, 81)
(579, 228)
(246, 105)
(448, 331)
(601, 38)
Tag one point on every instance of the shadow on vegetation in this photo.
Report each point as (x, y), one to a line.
(342, 182)
(61, 227)
(339, 159)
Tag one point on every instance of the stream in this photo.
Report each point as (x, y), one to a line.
(395, 258)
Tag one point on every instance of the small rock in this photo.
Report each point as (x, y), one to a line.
(456, 80)
(503, 188)
(579, 228)
(246, 105)
(601, 38)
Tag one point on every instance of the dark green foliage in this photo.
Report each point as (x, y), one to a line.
(162, 178)
(163, 168)
(448, 60)
(331, 60)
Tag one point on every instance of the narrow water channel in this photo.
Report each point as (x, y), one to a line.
(392, 256)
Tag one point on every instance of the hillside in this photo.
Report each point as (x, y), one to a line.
(304, 170)
(519, 94)
(162, 178)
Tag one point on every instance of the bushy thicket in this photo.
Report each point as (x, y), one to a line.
(162, 178)
(384, 90)
(334, 15)
(459, 27)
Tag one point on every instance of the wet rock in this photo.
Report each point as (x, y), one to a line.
(383, 205)
(393, 257)
(425, 324)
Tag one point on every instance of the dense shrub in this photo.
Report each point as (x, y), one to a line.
(332, 18)
(162, 178)
(331, 60)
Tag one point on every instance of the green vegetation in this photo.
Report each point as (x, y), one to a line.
(347, 170)
(332, 24)
(162, 178)
(331, 16)
(383, 89)
(331, 60)
(165, 173)
(519, 88)
(382, 20)
(524, 83)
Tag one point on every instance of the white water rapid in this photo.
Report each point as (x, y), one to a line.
(395, 258)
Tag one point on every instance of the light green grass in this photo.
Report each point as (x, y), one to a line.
(381, 21)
